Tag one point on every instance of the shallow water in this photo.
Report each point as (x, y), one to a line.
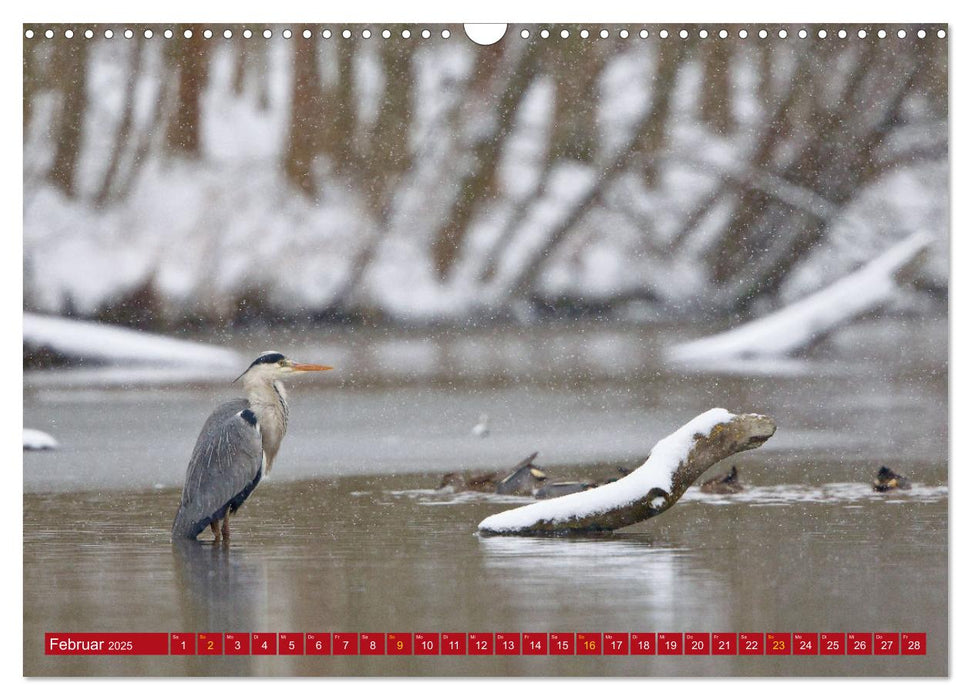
(350, 534)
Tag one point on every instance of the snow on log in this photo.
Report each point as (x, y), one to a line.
(800, 324)
(674, 464)
(38, 440)
(108, 344)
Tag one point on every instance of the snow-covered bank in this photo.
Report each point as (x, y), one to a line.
(674, 464)
(38, 440)
(105, 344)
(800, 324)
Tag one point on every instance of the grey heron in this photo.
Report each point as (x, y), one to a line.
(236, 448)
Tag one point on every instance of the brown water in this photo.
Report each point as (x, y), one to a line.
(349, 534)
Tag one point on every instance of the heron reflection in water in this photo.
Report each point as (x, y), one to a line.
(236, 448)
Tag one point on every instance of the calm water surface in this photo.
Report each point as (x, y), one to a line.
(349, 533)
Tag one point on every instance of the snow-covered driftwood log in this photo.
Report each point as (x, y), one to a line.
(38, 440)
(800, 324)
(103, 343)
(675, 462)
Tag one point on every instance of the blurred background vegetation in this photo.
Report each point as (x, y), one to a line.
(337, 174)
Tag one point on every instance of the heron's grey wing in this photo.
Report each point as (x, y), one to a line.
(226, 465)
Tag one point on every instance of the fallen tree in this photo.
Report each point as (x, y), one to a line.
(674, 464)
(799, 325)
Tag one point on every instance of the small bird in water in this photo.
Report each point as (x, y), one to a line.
(887, 480)
(481, 429)
(236, 448)
(521, 481)
(724, 484)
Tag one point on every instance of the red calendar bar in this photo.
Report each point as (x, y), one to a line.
(778, 643)
(372, 643)
(344, 644)
(236, 643)
(508, 643)
(697, 643)
(913, 643)
(291, 643)
(399, 644)
(589, 643)
(183, 643)
(886, 643)
(724, 643)
(859, 643)
(88, 643)
(454, 643)
(617, 643)
(643, 643)
(832, 643)
(805, 643)
(210, 644)
(563, 643)
(263, 643)
(489, 643)
(536, 643)
(481, 644)
(751, 643)
(427, 643)
(318, 643)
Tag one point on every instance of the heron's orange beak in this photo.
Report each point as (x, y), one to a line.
(310, 368)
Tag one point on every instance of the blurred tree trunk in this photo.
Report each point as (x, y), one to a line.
(653, 133)
(71, 74)
(716, 95)
(240, 52)
(152, 136)
(190, 56)
(306, 114)
(30, 81)
(123, 136)
(527, 270)
(250, 70)
(575, 65)
(388, 151)
(500, 91)
(337, 138)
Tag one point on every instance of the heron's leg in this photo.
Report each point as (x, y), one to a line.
(214, 526)
(226, 526)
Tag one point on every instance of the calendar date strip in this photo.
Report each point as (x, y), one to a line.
(486, 644)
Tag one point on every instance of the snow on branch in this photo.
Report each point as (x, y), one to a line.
(108, 344)
(800, 324)
(674, 464)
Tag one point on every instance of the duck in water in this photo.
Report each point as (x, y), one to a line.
(562, 488)
(888, 480)
(724, 484)
(524, 478)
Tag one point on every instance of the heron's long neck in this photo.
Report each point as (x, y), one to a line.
(268, 400)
